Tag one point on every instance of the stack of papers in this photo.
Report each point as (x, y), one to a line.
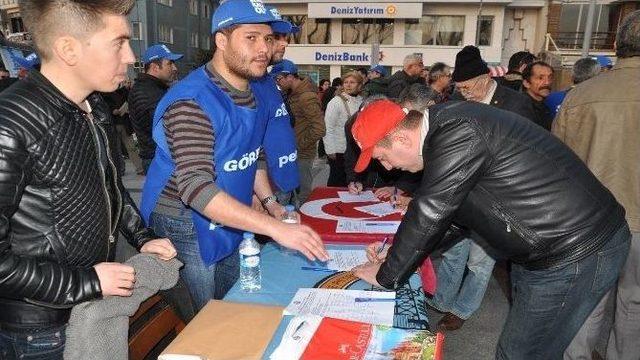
(366, 227)
(365, 196)
(372, 307)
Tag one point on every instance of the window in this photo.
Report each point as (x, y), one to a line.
(435, 30)
(193, 39)
(485, 30)
(206, 10)
(367, 31)
(206, 42)
(312, 31)
(165, 34)
(193, 7)
(136, 30)
(166, 2)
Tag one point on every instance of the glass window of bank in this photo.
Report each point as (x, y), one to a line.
(312, 31)
(444, 30)
(367, 31)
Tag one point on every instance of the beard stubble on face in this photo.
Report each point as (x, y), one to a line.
(240, 64)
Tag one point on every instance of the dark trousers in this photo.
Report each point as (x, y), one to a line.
(337, 175)
(33, 344)
(550, 305)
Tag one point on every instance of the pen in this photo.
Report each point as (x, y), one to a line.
(294, 335)
(382, 223)
(394, 197)
(374, 299)
(311, 268)
(384, 242)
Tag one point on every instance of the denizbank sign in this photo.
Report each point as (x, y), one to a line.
(365, 10)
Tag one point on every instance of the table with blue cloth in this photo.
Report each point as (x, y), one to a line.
(282, 276)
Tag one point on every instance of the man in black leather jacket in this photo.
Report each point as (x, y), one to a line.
(61, 201)
(518, 187)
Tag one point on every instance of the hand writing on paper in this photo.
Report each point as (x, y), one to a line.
(355, 187)
(374, 255)
(367, 272)
(386, 192)
(402, 201)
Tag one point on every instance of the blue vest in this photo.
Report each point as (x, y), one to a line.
(238, 133)
(554, 101)
(279, 140)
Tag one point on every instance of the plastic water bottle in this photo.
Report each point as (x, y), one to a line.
(250, 277)
(289, 217)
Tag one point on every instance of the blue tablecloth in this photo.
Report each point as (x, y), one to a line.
(282, 276)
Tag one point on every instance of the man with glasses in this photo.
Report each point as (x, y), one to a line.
(459, 296)
(410, 74)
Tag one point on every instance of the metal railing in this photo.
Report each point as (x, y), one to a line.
(573, 41)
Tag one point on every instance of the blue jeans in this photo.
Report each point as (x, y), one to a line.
(450, 296)
(37, 344)
(204, 282)
(550, 305)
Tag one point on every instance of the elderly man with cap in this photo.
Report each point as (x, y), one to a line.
(460, 292)
(522, 190)
(309, 124)
(377, 83)
(150, 86)
(209, 136)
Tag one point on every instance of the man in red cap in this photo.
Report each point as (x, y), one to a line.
(519, 188)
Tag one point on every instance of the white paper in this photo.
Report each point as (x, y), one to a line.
(377, 307)
(345, 260)
(365, 196)
(366, 227)
(296, 337)
(380, 209)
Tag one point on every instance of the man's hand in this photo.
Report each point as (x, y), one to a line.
(301, 238)
(161, 247)
(115, 279)
(367, 272)
(385, 192)
(355, 187)
(276, 210)
(257, 205)
(372, 253)
(402, 202)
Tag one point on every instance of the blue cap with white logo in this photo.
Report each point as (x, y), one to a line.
(283, 67)
(28, 62)
(379, 69)
(604, 61)
(159, 51)
(281, 26)
(236, 12)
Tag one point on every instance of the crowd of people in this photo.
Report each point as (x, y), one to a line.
(487, 167)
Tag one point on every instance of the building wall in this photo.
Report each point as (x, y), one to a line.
(525, 23)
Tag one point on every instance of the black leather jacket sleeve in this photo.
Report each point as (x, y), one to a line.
(27, 277)
(453, 159)
(131, 224)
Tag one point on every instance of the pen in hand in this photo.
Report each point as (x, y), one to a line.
(381, 248)
(394, 197)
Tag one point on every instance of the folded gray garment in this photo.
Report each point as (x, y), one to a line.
(99, 329)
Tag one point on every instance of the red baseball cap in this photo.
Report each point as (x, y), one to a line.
(374, 122)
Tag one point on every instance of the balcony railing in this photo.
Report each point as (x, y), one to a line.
(573, 41)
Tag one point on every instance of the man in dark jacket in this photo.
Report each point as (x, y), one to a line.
(410, 74)
(376, 83)
(523, 191)
(517, 62)
(537, 78)
(159, 71)
(62, 203)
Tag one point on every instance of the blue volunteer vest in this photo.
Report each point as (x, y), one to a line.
(279, 140)
(238, 137)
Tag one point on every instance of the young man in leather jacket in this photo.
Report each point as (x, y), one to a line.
(61, 201)
(518, 187)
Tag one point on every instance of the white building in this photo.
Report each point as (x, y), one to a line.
(340, 35)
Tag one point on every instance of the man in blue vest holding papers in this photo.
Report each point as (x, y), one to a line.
(209, 130)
